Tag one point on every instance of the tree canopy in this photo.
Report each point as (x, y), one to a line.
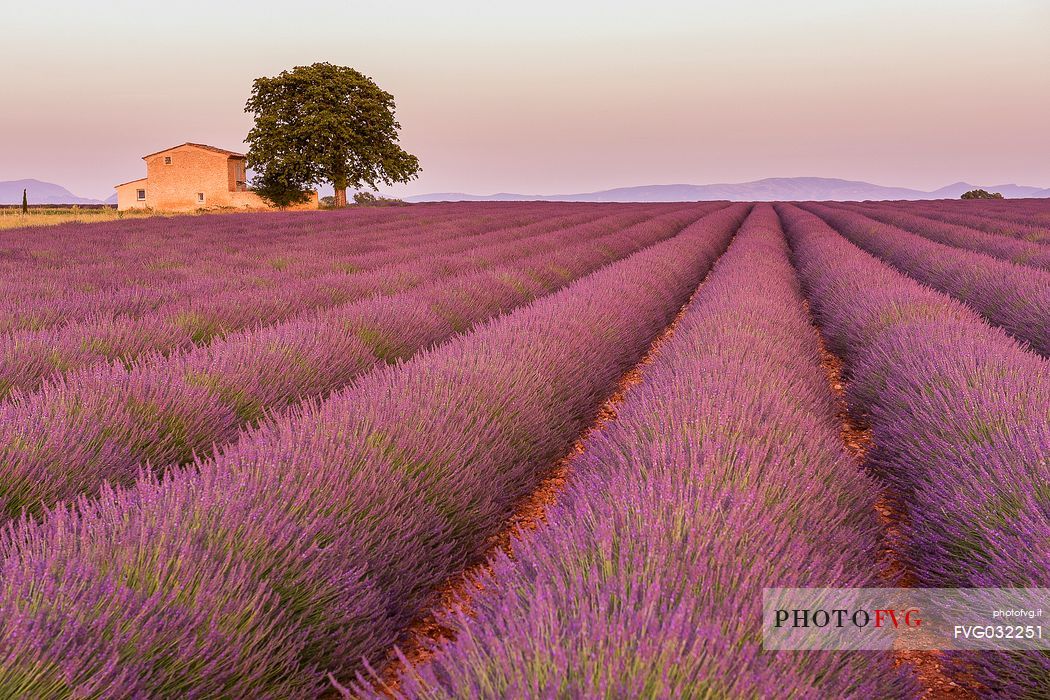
(323, 123)
(981, 194)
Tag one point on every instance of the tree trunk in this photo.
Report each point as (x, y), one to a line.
(340, 196)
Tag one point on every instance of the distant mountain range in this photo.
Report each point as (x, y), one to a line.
(769, 189)
(39, 192)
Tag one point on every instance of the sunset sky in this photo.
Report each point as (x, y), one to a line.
(553, 97)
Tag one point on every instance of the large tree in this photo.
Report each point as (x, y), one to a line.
(981, 194)
(323, 123)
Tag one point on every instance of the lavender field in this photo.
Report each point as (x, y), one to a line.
(526, 449)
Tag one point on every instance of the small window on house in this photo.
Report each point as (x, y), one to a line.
(200, 196)
(140, 195)
(167, 160)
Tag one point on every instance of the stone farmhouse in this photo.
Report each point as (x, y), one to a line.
(193, 176)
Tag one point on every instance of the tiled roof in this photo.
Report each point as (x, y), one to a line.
(121, 184)
(231, 154)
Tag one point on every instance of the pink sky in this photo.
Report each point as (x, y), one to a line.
(549, 97)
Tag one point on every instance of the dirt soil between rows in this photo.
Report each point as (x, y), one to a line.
(425, 636)
(927, 666)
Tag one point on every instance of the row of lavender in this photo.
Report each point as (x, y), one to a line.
(121, 264)
(723, 470)
(142, 249)
(215, 289)
(1002, 247)
(960, 415)
(29, 358)
(315, 539)
(319, 260)
(1025, 220)
(1014, 297)
(166, 315)
(103, 422)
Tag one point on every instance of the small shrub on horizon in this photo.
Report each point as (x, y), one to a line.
(367, 199)
(981, 194)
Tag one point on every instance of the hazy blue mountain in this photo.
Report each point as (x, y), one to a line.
(40, 193)
(769, 189)
(953, 191)
(1012, 191)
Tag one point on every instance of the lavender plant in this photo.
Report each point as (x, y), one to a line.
(1014, 297)
(172, 318)
(1027, 221)
(960, 416)
(315, 539)
(104, 422)
(1002, 247)
(722, 474)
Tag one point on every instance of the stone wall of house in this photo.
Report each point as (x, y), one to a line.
(195, 178)
(188, 178)
(127, 195)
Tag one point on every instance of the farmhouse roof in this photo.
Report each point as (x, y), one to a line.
(138, 179)
(231, 154)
